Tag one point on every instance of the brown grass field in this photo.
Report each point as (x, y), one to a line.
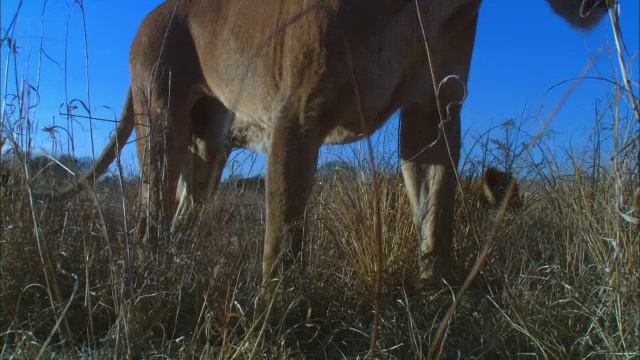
(560, 278)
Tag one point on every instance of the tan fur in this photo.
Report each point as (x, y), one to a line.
(285, 76)
(494, 188)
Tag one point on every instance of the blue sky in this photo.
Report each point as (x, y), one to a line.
(521, 51)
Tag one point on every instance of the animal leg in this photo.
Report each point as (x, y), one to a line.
(429, 161)
(208, 150)
(430, 143)
(162, 146)
(291, 166)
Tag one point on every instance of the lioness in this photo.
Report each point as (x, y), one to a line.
(284, 77)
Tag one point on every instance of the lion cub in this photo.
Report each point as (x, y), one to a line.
(492, 189)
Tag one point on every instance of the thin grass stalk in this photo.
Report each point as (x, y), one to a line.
(89, 109)
(4, 88)
(617, 36)
(437, 344)
(614, 17)
(62, 315)
(435, 348)
(376, 206)
(35, 108)
(80, 4)
(53, 293)
(67, 114)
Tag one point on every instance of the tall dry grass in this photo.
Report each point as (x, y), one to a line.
(566, 284)
(560, 279)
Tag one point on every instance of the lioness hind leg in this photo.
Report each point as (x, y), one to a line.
(163, 136)
(165, 177)
(208, 155)
(291, 166)
(165, 73)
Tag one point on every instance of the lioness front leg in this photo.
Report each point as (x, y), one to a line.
(291, 166)
(428, 166)
(430, 142)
